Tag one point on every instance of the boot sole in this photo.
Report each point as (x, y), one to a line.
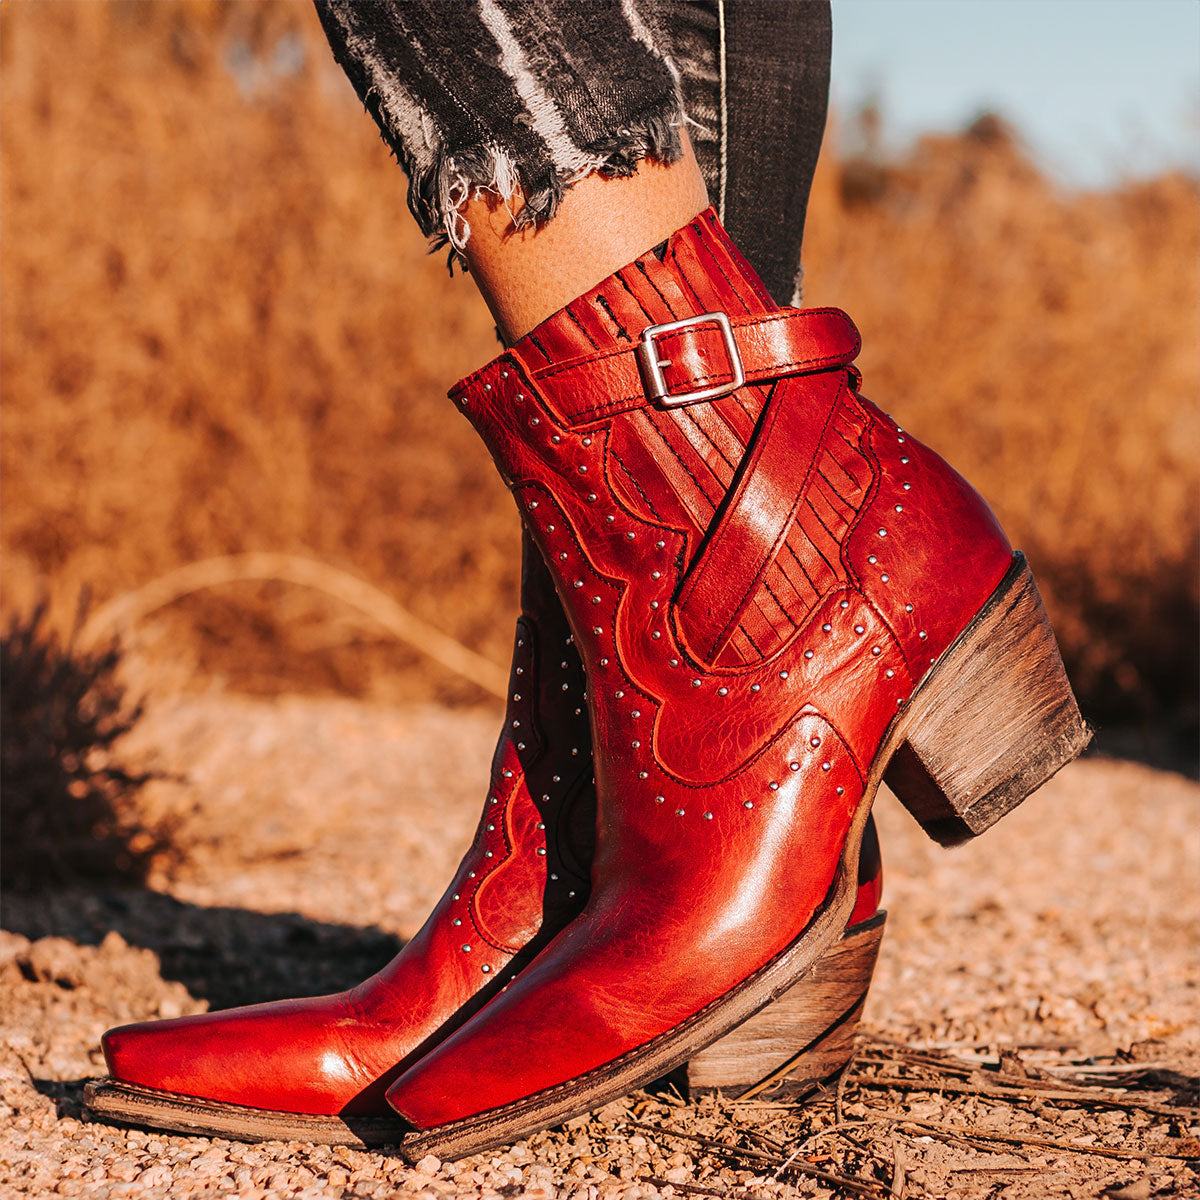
(992, 720)
(806, 1037)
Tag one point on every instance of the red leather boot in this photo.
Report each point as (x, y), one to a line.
(777, 594)
(316, 1069)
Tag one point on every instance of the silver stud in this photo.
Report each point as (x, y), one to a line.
(591, 497)
(635, 744)
(520, 397)
(541, 824)
(507, 774)
(900, 439)
(859, 629)
(553, 877)
(876, 651)
(520, 671)
(566, 687)
(884, 578)
(578, 583)
(679, 812)
(542, 851)
(825, 766)
(889, 673)
(899, 507)
(619, 695)
(674, 662)
(517, 696)
(587, 441)
(597, 630)
(659, 545)
(503, 374)
(570, 896)
(908, 608)
(707, 816)
(470, 874)
(520, 745)
(872, 559)
(562, 557)
(486, 969)
(654, 633)
(795, 766)
(883, 533)
(549, 528)
(466, 949)
(907, 487)
(488, 854)
(773, 786)
(841, 791)
(899, 701)
(582, 468)
(659, 799)
(808, 654)
(595, 599)
(556, 439)
(491, 828)
(535, 420)
(493, 800)
(756, 687)
(783, 674)
(458, 920)
(454, 897)
(487, 387)
(575, 751)
(579, 711)
(922, 635)
(556, 778)
(814, 741)
(630, 535)
(844, 604)
(637, 712)
(642, 775)
(722, 691)
(747, 803)
(904, 459)
(654, 604)
(520, 642)
(604, 662)
(533, 504)
(609, 519)
(827, 628)
(655, 574)
(695, 683)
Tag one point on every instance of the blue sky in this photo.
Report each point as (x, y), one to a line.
(1100, 89)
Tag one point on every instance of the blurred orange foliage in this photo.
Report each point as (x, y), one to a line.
(222, 333)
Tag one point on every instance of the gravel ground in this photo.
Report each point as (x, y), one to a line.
(1039, 985)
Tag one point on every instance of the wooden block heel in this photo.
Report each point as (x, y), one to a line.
(804, 1036)
(992, 721)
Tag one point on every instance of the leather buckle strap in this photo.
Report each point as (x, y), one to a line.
(693, 359)
(658, 388)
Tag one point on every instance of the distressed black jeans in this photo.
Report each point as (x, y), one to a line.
(535, 94)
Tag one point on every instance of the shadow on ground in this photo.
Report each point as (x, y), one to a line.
(227, 956)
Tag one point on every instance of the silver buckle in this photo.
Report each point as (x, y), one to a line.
(654, 365)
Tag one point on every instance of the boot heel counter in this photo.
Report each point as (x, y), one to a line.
(928, 549)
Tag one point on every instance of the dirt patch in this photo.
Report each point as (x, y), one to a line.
(1031, 1031)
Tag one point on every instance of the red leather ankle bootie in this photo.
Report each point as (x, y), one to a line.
(316, 1069)
(777, 593)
